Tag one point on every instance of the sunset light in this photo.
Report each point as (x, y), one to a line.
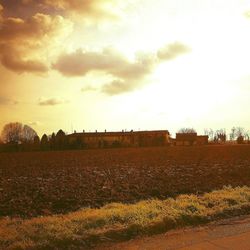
(124, 124)
(124, 65)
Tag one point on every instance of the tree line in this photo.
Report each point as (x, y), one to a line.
(19, 137)
(236, 134)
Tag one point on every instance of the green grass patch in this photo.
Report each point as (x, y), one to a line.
(118, 222)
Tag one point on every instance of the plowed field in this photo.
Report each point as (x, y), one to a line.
(42, 183)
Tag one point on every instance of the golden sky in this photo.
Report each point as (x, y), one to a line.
(111, 64)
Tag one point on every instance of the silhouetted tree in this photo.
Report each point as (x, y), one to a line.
(187, 130)
(36, 143)
(240, 139)
(44, 142)
(1, 145)
(53, 141)
(36, 140)
(61, 140)
(220, 135)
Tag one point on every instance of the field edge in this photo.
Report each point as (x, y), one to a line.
(116, 222)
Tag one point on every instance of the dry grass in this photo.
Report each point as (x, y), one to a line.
(115, 222)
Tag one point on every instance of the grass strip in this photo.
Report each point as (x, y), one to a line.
(118, 222)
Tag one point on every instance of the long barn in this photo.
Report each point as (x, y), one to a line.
(124, 139)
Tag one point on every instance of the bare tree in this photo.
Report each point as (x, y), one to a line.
(232, 134)
(239, 131)
(12, 133)
(220, 135)
(246, 136)
(28, 134)
(186, 130)
(16, 132)
(239, 134)
(210, 133)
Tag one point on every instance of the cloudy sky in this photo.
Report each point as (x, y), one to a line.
(135, 64)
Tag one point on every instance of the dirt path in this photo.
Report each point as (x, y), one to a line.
(233, 234)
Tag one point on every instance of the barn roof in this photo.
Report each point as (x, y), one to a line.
(119, 133)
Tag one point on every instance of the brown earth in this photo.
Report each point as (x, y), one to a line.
(42, 183)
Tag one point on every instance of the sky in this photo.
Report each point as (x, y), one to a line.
(122, 65)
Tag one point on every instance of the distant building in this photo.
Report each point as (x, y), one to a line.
(120, 139)
(202, 139)
(189, 139)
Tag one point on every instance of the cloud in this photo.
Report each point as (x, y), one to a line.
(35, 123)
(25, 42)
(109, 60)
(51, 101)
(7, 101)
(173, 50)
(117, 87)
(90, 9)
(126, 75)
(88, 88)
(247, 14)
(11, 59)
(32, 31)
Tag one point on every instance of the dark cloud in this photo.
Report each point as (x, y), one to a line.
(29, 28)
(173, 50)
(23, 8)
(94, 9)
(13, 60)
(23, 42)
(51, 101)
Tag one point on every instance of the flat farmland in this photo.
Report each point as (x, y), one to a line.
(43, 183)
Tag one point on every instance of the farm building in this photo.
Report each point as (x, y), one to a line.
(202, 139)
(189, 139)
(117, 139)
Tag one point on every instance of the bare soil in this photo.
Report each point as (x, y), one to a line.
(43, 183)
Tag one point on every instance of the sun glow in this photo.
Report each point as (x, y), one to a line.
(130, 86)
